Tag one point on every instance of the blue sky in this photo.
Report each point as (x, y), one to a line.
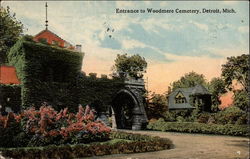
(173, 44)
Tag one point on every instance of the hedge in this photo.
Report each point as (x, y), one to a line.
(139, 143)
(194, 127)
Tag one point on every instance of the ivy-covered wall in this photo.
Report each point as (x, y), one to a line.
(53, 75)
(10, 96)
(98, 92)
(47, 73)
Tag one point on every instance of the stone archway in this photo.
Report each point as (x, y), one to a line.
(128, 110)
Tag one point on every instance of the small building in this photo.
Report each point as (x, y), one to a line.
(189, 98)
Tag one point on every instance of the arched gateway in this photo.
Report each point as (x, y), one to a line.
(128, 107)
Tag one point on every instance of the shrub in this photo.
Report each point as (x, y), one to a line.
(47, 126)
(174, 114)
(194, 127)
(138, 143)
(170, 116)
(180, 119)
(230, 115)
(9, 127)
(203, 118)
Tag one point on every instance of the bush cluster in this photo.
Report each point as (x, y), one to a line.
(230, 115)
(46, 126)
(180, 115)
(138, 143)
(195, 127)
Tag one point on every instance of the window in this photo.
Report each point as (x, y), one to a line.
(180, 98)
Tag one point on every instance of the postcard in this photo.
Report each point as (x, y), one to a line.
(100, 79)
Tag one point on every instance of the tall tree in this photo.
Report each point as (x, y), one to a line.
(10, 30)
(189, 80)
(236, 68)
(241, 99)
(217, 88)
(157, 106)
(133, 66)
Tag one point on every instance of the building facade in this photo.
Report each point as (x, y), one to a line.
(190, 98)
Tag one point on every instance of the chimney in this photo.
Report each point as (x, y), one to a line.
(79, 48)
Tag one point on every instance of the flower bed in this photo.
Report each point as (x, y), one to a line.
(137, 143)
(46, 133)
(194, 127)
(47, 126)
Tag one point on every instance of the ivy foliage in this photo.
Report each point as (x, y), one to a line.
(98, 92)
(47, 73)
(53, 75)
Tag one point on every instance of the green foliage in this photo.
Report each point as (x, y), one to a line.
(51, 74)
(11, 96)
(236, 68)
(10, 31)
(98, 92)
(137, 143)
(194, 127)
(190, 79)
(9, 128)
(157, 106)
(48, 74)
(46, 127)
(204, 118)
(178, 115)
(241, 99)
(216, 88)
(134, 66)
(231, 115)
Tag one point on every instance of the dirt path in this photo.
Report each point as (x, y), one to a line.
(193, 146)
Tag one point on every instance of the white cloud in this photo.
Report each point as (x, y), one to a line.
(130, 44)
(152, 24)
(122, 22)
(226, 52)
